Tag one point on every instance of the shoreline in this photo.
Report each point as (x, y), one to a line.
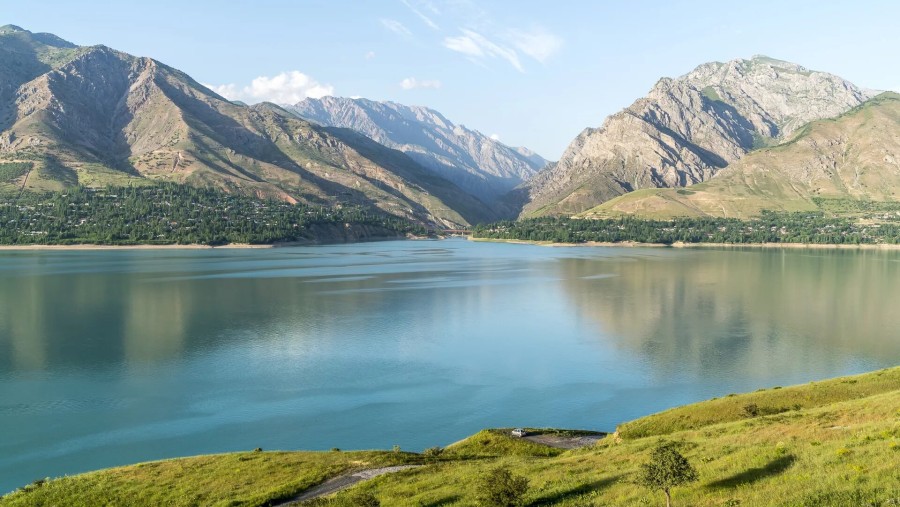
(607, 244)
(197, 246)
(679, 244)
(236, 246)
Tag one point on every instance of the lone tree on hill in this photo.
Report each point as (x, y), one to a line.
(667, 468)
(501, 488)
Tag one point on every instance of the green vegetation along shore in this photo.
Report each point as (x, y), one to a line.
(832, 443)
(814, 227)
(171, 214)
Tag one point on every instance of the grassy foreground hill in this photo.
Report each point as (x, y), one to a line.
(830, 443)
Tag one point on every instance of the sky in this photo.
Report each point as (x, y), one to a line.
(530, 73)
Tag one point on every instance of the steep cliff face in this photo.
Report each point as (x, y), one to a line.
(854, 157)
(686, 130)
(480, 165)
(95, 116)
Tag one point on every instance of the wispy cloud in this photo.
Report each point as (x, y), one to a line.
(482, 38)
(370, 55)
(412, 83)
(537, 43)
(479, 47)
(285, 88)
(396, 27)
(418, 12)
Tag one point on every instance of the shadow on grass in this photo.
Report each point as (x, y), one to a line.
(443, 501)
(775, 467)
(559, 496)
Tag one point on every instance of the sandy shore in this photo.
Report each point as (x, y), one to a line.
(679, 244)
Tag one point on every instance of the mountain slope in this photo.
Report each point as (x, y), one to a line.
(94, 116)
(686, 130)
(478, 164)
(855, 156)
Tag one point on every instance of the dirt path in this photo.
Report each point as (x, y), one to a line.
(342, 482)
(562, 442)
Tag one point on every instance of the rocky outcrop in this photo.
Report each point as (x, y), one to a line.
(476, 163)
(686, 130)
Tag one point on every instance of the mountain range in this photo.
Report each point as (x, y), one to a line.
(95, 116)
(478, 164)
(745, 136)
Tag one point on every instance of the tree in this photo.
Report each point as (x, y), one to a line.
(501, 488)
(667, 468)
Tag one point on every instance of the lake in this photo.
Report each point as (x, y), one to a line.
(113, 357)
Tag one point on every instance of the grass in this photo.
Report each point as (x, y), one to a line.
(236, 479)
(839, 447)
(767, 402)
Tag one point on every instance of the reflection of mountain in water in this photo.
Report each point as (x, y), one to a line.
(750, 312)
(101, 318)
(79, 320)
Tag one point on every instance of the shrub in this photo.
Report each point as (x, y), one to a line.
(433, 452)
(501, 488)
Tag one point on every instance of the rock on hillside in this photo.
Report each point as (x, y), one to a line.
(687, 129)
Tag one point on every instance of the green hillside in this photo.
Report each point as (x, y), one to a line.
(830, 443)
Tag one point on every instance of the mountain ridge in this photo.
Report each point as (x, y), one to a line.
(480, 165)
(687, 129)
(855, 157)
(95, 116)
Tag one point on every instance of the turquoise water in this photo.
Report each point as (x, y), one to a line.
(113, 357)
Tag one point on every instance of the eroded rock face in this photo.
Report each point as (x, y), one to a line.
(687, 129)
(480, 165)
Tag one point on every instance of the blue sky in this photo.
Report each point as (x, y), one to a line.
(535, 73)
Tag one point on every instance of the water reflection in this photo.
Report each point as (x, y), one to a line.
(749, 312)
(147, 355)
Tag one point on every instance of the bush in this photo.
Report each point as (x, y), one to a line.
(433, 453)
(501, 488)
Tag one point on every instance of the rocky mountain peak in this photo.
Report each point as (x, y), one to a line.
(688, 128)
(5, 29)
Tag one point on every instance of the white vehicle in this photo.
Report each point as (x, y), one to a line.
(519, 432)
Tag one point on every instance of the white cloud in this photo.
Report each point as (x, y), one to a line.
(475, 45)
(495, 137)
(425, 19)
(396, 27)
(412, 83)
(285, 88)
(370, 55)
(538, 43)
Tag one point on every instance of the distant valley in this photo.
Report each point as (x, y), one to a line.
(480, 165)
